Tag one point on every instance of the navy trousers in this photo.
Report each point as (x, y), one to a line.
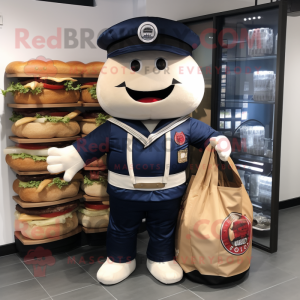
(125, 219)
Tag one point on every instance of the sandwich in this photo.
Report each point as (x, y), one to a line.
(45, 123)
(88, 92)
(45, 90)
(94, 183)
(92, 69)
(97, 165)
(30, 157)
(46, 222)
(93, 215)
(91, 120)
(46, 187)
(43, 67)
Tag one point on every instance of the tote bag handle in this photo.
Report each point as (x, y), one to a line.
(224, 173)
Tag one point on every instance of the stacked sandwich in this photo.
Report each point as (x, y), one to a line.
(43, 84)
(94, 183)
(94, 214)
(44, 81)
(98, 165)
(41, 124)
(53, 82)
(92, 120)
(89, 93)
(30, 157)
(45, 90)
(46, 222)
(44, 123)
(46, 187)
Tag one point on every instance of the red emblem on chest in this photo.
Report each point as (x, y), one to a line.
(179, 138)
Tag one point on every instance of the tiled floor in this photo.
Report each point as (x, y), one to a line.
(73, 275)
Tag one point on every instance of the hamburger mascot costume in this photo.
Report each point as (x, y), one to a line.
(149, 85)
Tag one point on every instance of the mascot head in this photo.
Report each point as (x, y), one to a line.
(149, 73)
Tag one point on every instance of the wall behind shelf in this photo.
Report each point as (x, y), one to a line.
(290, 146)
(43, 18)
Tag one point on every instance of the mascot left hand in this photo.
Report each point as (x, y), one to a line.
(222, 146)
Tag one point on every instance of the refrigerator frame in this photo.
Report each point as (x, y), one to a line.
(280, 67)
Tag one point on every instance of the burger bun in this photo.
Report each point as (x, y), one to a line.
(87, 97)
(93, 222)
(26, 164)
(50, 231)
(48, 194)
(95, 190)
(47, 97)
(87, 127)
(46, 130)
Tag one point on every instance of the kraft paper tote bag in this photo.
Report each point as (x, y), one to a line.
(214, 228)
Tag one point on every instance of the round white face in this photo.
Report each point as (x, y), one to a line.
(163, 86)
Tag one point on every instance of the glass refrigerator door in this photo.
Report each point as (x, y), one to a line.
(246, 105)
(203, 56)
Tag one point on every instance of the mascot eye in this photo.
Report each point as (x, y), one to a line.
(161, 64)
(136, 65)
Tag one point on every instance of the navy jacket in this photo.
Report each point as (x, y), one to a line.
(147, 162)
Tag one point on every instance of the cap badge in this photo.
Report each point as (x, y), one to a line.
(147, 32)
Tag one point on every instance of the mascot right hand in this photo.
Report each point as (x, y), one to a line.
(64, 159)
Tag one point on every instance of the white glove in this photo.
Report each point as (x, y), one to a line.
(64, 159)
(222, 146)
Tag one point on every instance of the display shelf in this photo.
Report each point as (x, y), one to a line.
(17, 139)
(249, 58)
(255, 205)
(90, 76)
(95, 199)
(261, 229)
(26, 241)
(247, 101)
(10, 75)
(93, 230)
(90, 104)
(251, 157)
(67, 105)
(30, 173)
(34, 173)
(95, 169)
(24, 204)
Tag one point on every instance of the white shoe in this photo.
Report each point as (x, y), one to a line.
(167, 272)
(112, 273)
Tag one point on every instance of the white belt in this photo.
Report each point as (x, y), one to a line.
(147, 183)
(124, 181)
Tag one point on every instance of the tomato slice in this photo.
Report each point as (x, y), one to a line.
(96, 205)
(53, 87)
(89, 83)
(32, 146)
(59, 114)
(55, 214)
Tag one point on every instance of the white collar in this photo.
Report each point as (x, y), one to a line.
(153, 136)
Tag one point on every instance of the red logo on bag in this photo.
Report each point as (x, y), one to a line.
(179, 138)
(236, 233)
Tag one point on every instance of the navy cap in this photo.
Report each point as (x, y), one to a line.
(148, 34)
